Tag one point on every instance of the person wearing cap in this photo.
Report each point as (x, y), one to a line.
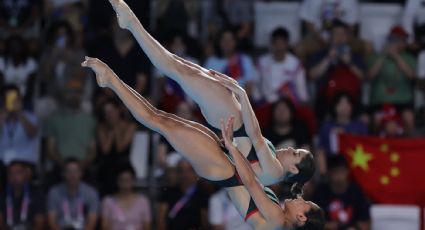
(391, 73)
(391, 124)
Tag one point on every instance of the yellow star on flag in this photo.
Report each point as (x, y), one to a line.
(385, 180)
(384, 148)
(360, 158)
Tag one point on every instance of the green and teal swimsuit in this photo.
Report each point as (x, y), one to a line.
(235, 179)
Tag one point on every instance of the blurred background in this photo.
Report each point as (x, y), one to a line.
(313, 69)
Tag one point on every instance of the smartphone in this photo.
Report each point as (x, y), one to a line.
(343, 49)
(11, 98)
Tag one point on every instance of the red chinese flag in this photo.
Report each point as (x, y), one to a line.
(390, 170)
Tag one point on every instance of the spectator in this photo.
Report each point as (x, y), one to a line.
(391, 74)
(413, 21)
(183, 206)
(336, 69)
(114, 138)
(238, 14)
(180, 16)
(343, 121)
(319, 15)
(285, 130)
(19, 17)
(232, 62)
(70, 131)
(390, 123)
(123, 52)
(126, 209)
(100, 24)
(61, 59)
(281, 73)
(222, 214)
(18, 67)
(343, 201)
(19, 129)
(72, 204)
(22, 205)
(318, 18)
(71, 11)
(235, 14)
(391, 71)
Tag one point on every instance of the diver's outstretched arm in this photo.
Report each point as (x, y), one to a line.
(268, 161)
(271, 211)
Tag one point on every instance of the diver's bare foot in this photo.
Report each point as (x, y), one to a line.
(104, 74)
(124, 13)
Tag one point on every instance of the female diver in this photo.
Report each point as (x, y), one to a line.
(215, 101)
(208, 157)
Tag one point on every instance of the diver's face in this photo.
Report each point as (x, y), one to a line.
(296, 209)
(290, 158)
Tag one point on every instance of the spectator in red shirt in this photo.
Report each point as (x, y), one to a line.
(336, 68)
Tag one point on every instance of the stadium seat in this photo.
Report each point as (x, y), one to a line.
(395, 217)
(269, 15)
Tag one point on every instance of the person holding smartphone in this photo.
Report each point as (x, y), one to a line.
(18, 129)
(336, 69)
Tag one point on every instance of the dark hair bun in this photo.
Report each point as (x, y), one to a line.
(297, 189)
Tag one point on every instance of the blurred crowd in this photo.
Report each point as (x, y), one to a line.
(66, 145)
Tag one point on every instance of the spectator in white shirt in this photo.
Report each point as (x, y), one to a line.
(222, 214)
(282, 73)
(17, 67)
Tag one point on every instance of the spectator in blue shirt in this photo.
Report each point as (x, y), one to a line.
(233, 63)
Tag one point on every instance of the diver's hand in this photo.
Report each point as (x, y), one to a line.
(228, 82)
(227, 132)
